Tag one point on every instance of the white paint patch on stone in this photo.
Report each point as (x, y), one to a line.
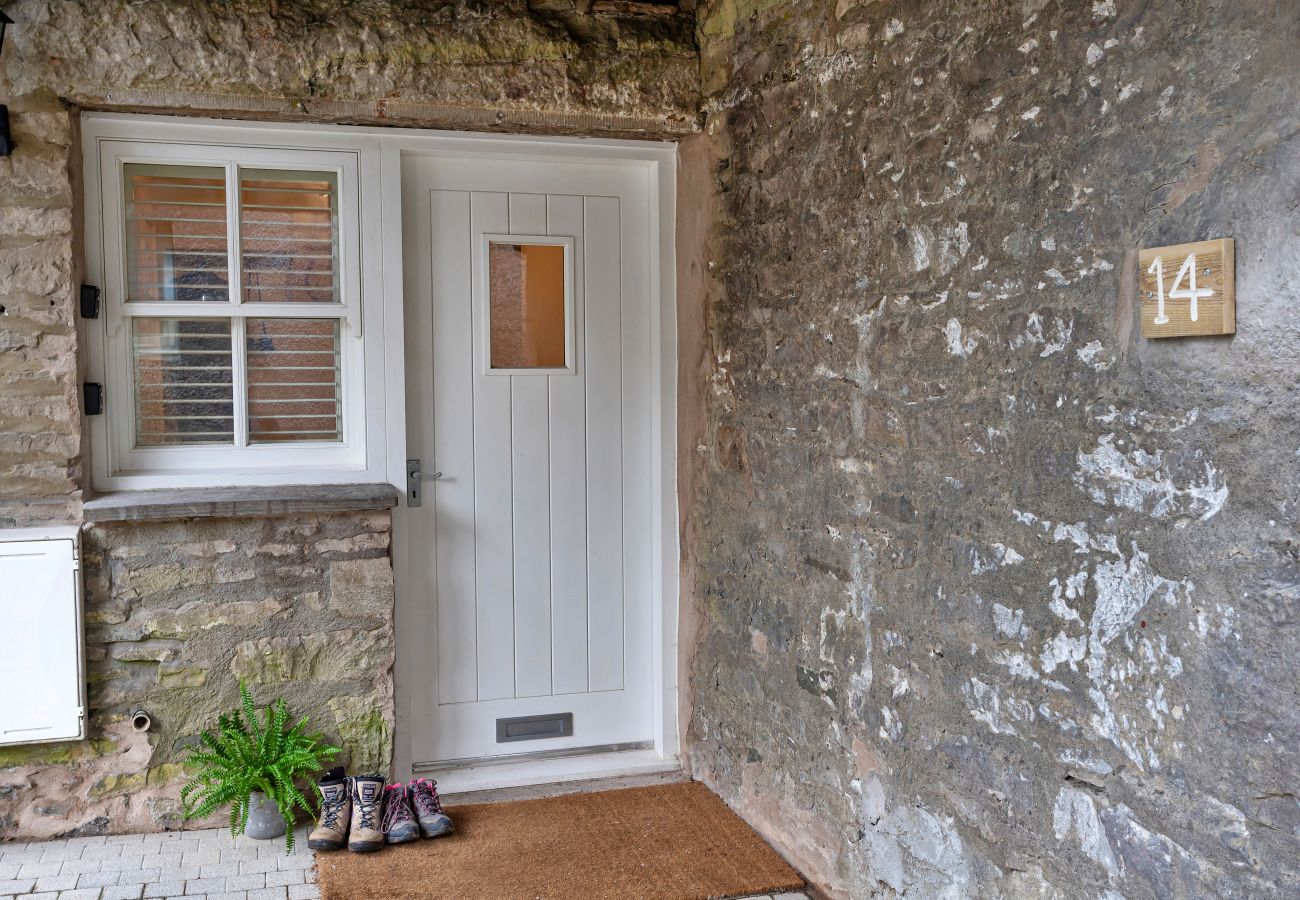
(1074, 813)
(1089, 354)
(1164, 111)
(1080, 759)
(908, 849)
(1019, 665)
(1008, 623)
(1024, 518)
(999, 555)
(1035, 335)
(997, 712)
(1063, 650)
(1071, 590)
(1140, 481)
(954, 244)
(920, 238)
(957, 344)
(1095, 54)
(1123, 587)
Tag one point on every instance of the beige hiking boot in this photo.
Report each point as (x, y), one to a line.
(331, 832)
(366, 833)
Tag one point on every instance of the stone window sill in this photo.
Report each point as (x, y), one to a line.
(237, 502)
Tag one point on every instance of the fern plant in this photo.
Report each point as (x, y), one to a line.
(245, 755)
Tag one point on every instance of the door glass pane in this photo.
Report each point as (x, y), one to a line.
(293, 380)
(175, 233)
(289, 229)
(184, 390)
(526, 305)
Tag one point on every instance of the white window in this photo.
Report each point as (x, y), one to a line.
(238, 340)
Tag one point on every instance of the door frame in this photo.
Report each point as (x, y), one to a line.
(659, 159)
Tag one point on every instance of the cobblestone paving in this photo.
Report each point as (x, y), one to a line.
(188, 865)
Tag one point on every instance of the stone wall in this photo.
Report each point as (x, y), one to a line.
(40, 425)
(177, 613)
(553, 65)
(996, 598)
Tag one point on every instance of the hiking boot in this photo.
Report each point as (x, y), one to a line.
(400, 826)
(365, 834)
(331, 832)
(428, 808)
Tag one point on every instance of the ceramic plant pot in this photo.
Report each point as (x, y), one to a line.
(264, 820)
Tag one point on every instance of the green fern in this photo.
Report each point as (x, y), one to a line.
(246, 755)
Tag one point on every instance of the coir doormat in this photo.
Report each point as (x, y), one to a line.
(667, 842)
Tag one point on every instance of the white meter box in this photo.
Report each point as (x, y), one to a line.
(42, 669)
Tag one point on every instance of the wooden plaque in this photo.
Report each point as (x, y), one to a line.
(1187, 289)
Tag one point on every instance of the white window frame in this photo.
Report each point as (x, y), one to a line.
(110, 143)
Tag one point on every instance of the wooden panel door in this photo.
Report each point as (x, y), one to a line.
(529, 388)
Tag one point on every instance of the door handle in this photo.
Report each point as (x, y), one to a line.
(414, 489)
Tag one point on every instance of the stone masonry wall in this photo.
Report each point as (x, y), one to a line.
(997, 598)
(40, 425)
(585, 65)
(299, 607)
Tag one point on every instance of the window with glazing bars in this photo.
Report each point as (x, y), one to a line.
(249, 260)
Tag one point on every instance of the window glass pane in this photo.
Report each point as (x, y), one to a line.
(526, 305)
(289, 229)
(183, 382)
(176, 233)
(293, 380)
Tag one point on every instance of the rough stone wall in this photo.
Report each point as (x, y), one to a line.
(299, 607)
(586, 65)
(40, 425)
(996, 598)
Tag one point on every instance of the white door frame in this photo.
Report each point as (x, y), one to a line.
(660, 160)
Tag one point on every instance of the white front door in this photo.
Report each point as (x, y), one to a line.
(528, 345)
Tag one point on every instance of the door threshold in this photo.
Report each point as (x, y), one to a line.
(494, 774)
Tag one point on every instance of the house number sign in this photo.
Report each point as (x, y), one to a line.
(1187, 289)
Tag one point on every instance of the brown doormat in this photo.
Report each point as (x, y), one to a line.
(666, 842)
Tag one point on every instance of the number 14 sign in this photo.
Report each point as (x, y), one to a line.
(1187, 289)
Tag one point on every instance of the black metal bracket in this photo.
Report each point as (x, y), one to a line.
(92, 397)
(89, 301)
(6, 140)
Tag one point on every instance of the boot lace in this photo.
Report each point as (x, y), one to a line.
(331, 808)
(427, 800)
(398, 810)
(366, 810)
